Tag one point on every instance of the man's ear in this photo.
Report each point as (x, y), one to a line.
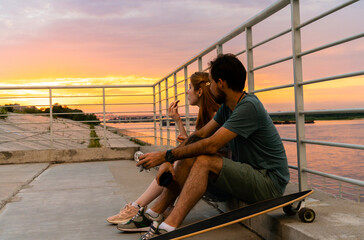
(220, 83)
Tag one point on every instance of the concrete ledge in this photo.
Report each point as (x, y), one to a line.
(67, 155)
(335, 219)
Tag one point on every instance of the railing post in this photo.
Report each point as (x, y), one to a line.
(104, 114)
(219, 49)
(51, 118)
(167, 115)
(175, 99)
(154, 117)
(160, 116)
(299, 102)
(187, 107)
(200, 64)
(249, 59)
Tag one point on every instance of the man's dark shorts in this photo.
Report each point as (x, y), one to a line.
(242, 181)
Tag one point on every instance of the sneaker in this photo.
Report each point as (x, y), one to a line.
(140, 222)
(153, 231)
(124, 215)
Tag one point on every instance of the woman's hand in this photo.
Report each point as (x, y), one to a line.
(181, 138)
(173, 110)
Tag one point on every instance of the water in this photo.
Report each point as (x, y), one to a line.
(333, 160)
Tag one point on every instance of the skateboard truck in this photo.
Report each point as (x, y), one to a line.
(305, 214)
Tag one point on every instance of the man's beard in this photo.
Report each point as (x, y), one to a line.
(220, 97)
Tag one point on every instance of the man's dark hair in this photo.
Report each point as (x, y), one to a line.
(227, 67)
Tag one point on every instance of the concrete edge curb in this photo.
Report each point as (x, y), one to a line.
(67, 155)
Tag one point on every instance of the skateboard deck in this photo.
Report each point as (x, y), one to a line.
(243, 213)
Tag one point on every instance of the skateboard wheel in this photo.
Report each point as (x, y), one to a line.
(307, 215)
(289, 210)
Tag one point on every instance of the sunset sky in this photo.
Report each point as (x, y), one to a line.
(123, 42)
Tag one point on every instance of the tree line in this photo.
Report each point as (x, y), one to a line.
(68, 113)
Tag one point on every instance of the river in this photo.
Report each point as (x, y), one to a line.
(334, 160)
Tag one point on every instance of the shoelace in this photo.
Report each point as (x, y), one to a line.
(151, 232)
(137, 215)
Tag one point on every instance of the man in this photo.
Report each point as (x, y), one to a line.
(258, 169)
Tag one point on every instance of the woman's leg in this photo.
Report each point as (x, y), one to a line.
(152, 192)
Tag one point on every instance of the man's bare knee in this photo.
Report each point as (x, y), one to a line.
(211, 163)
(184, 164)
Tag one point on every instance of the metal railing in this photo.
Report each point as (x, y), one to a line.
(174, 86)
(297, 84)
(50, 135)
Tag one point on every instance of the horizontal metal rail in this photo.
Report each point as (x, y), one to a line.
(73, 87)
(138, 128)
(237, 54)
(344, 40)
(128, 121)
(333, 144)
(142, 136)
(289, 139)
(17, 123)
(77, 96)
(339, 76)
(73, 113)
(272, 63)
(342, 179)
(56, 139)
(271, 38)
(304, 24)
(323, 111)
(326, 13)
(282, 113)
(273, 88)
(82, 104)
(329, 111)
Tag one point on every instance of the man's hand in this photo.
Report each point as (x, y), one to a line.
(153, 159)
(165, 167)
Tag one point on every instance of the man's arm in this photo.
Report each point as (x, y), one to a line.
(203, 132)
(208, 146)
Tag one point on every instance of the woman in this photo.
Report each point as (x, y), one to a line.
(199, 94)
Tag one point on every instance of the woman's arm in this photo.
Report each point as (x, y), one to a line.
(173, 113)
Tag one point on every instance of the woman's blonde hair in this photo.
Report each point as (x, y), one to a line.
(208, 106)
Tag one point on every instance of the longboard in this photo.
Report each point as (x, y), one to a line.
(244, 213)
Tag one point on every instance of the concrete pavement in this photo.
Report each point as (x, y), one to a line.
(73, 200)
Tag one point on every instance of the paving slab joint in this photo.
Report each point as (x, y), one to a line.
(18, 189)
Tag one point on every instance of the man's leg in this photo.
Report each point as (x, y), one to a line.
(170, 193)
(194, 187)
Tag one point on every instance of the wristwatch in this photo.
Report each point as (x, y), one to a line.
(169, 156)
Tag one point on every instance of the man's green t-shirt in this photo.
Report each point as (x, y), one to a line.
(258, 142)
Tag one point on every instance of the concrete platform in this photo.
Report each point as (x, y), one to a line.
(73, 200)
